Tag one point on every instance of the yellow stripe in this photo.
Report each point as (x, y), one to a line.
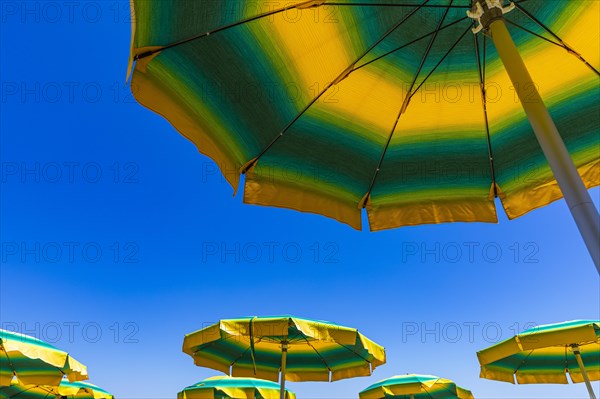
(427, 212)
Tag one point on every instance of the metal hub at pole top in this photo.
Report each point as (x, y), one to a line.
(487, 11)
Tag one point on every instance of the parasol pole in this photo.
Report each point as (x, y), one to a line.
(490, 14)
(284, 350)
(588, 384)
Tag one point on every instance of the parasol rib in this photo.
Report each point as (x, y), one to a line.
(403, 5)
(275, 12)
(8, 358)
(318, 354)
(357, 354)
(425, 389)
(252, 344)
(395, 5)
(341, 76)
(409, 43)
(233, 363)
(533, 33)
(481, 66)
(440, 61)
(562, 43)
(205, 34)
(365, 198)
(523, 362)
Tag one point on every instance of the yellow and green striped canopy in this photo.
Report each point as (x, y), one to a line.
(234, 388)
(252, 347)
(66, 390)
(543, 354)
(35, 362)
(303, 96)
(415, 386)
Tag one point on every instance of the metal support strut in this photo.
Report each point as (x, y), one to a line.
(490, 16)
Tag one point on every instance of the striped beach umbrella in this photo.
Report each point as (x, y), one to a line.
(415, 386)
(393, 106)
(546, 354)
(66, 390)
(233, 388)
(284, 348)
(35, 362)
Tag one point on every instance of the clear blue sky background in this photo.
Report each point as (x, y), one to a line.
(179, 252)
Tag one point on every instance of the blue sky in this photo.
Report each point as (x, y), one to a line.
(118, 238)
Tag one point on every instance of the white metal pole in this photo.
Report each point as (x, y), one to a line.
(574, 191)
(577, 354)
(284, 349)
